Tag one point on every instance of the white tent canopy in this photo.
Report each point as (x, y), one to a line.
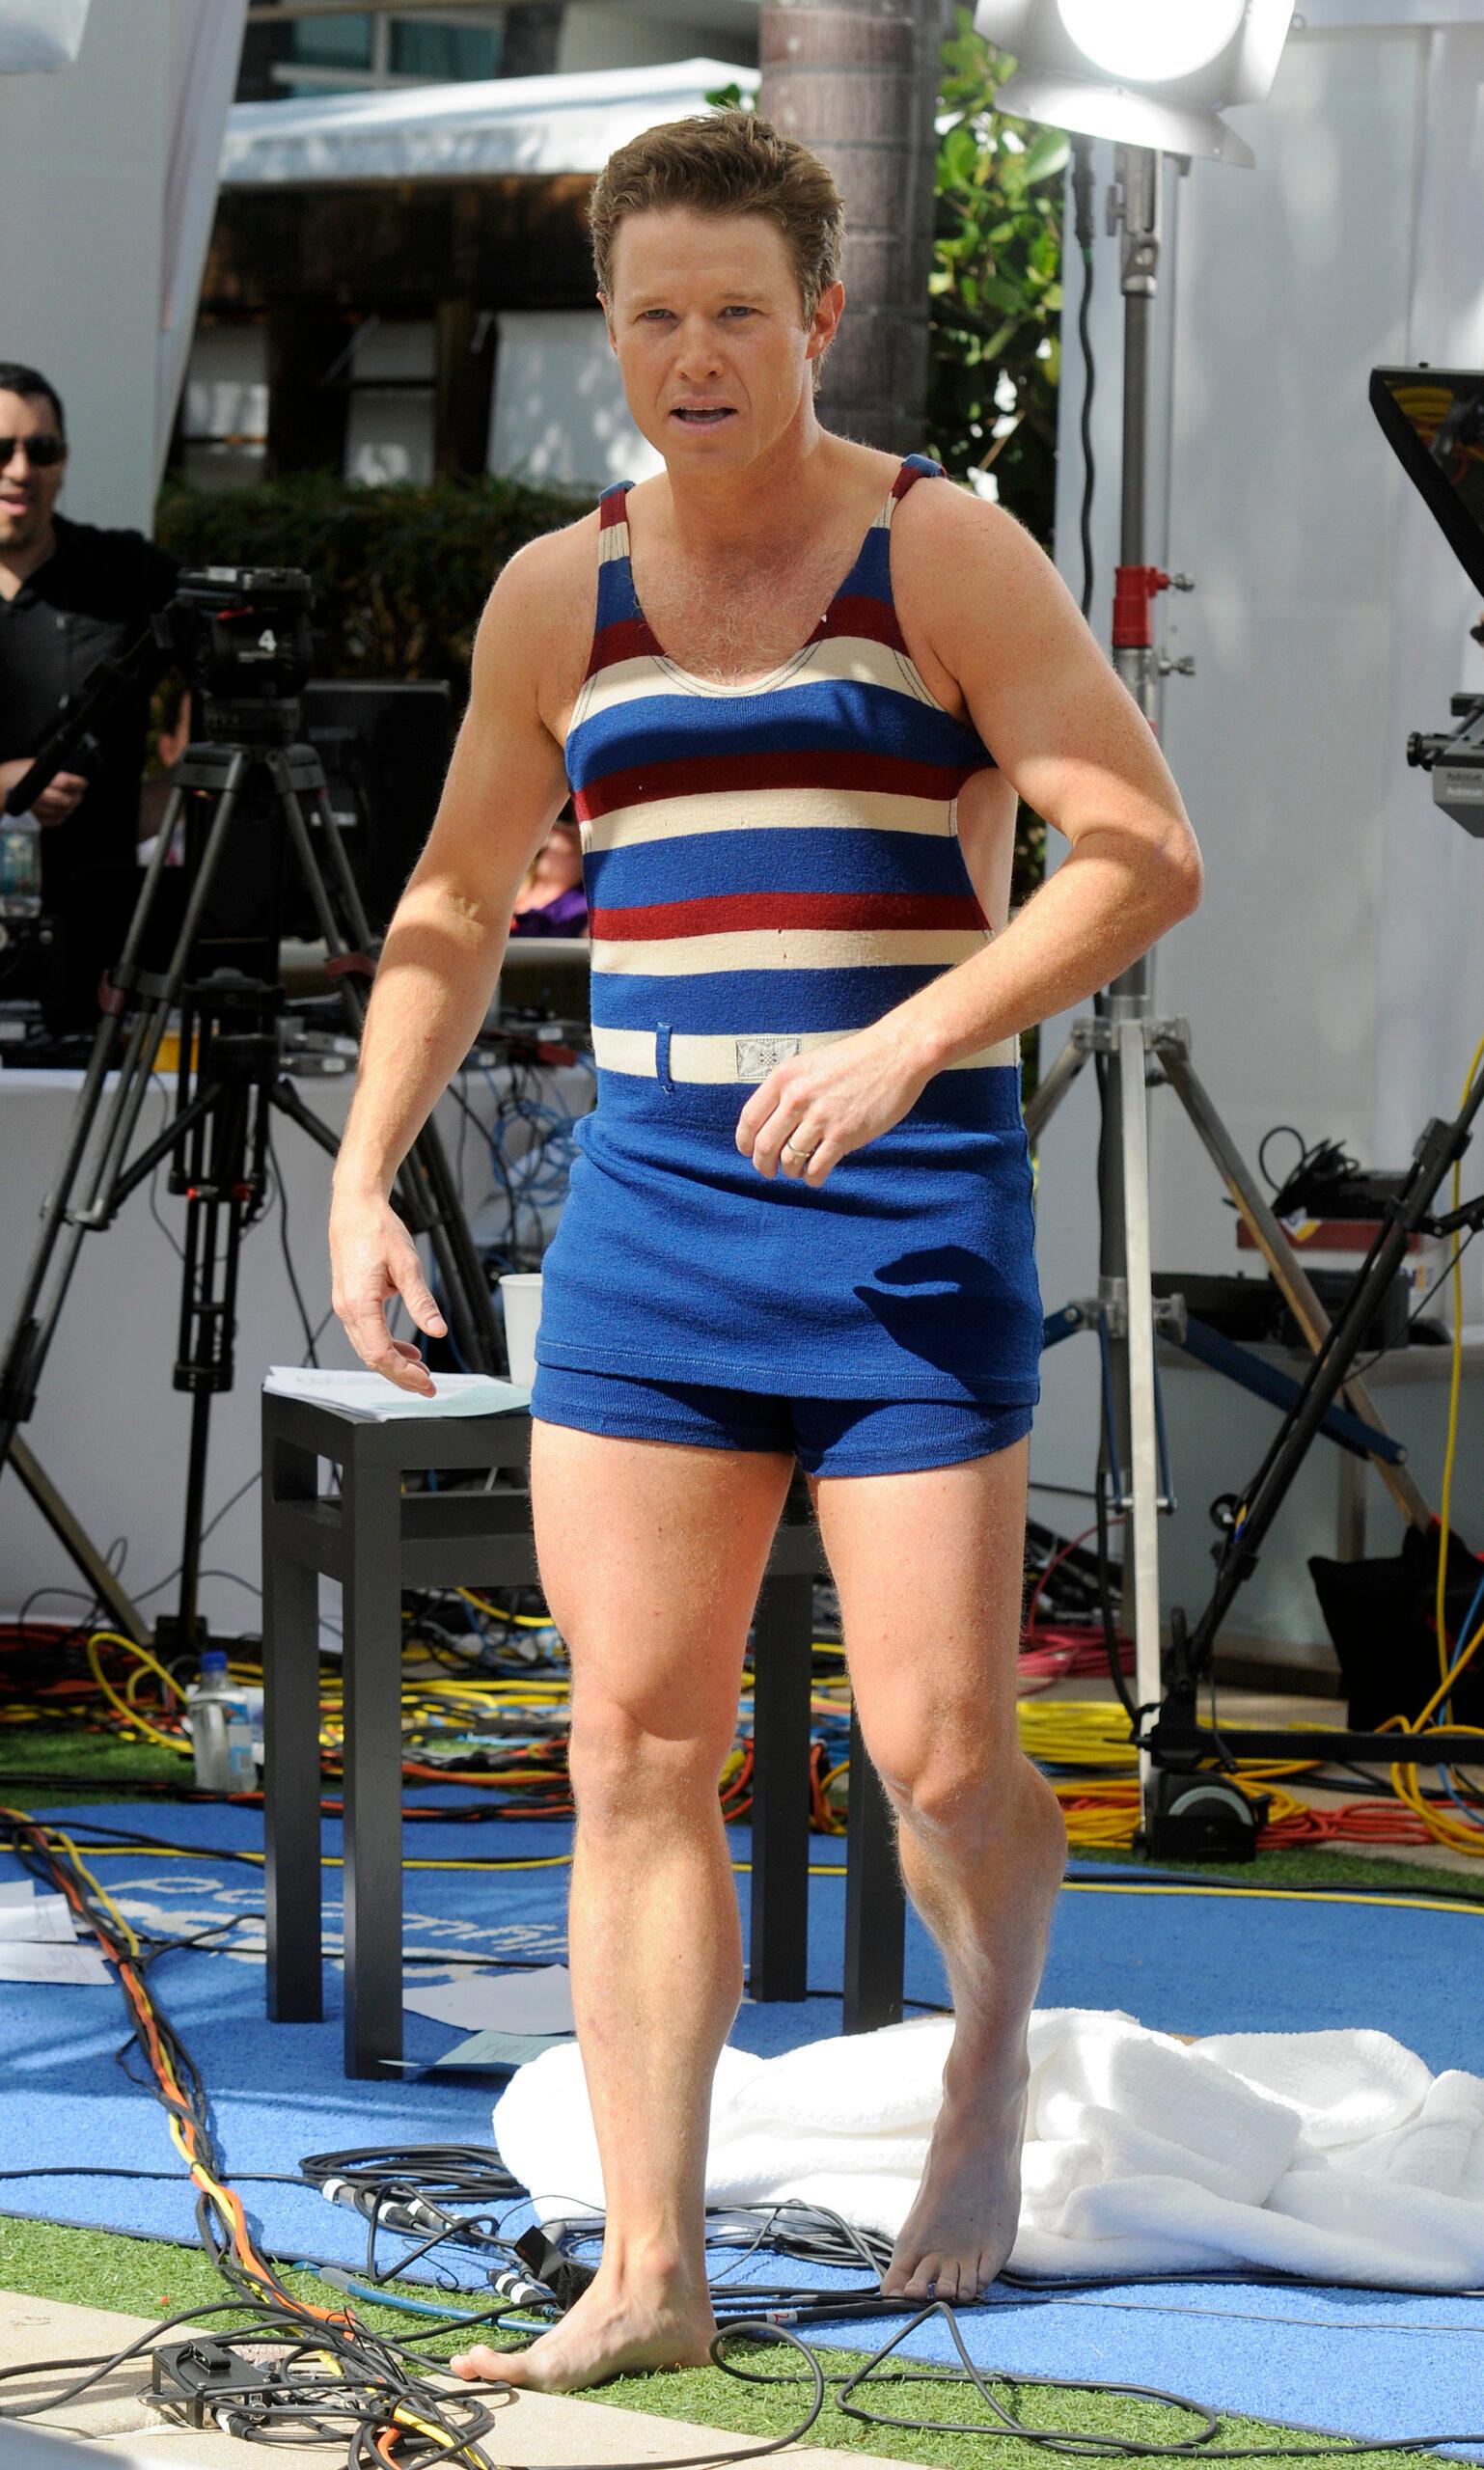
(568, 124)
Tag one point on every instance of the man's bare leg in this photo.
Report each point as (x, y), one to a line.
(982, 1844)
(651, 1554)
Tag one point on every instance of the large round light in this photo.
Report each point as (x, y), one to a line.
(1151, 40)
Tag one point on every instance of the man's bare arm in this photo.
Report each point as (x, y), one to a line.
(1070, 738)
(442, 956)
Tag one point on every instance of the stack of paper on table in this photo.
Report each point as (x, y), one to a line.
(375, 1401)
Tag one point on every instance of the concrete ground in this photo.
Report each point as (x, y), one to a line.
(119, 2422)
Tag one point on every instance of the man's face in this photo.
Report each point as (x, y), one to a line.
(708, 326)
(28, 491)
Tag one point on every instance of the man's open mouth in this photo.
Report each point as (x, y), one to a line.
(702, 415)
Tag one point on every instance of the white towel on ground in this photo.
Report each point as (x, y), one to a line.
(1336, 2156)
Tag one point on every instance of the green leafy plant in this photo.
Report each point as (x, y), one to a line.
(995, 286)
(995, 307)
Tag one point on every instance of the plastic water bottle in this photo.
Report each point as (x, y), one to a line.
(219, 1717)
(20, 866)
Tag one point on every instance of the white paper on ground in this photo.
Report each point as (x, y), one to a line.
(366, 1395)
(17, 1891)
(539, 2001)
(22, 1959)
(491, 2051)
(45, 1916)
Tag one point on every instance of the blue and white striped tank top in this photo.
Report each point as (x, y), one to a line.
(772, 866)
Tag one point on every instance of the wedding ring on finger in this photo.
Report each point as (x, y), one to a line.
(804, 1154)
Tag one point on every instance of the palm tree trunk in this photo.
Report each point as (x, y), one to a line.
(857, 80)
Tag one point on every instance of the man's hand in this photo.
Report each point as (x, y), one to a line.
(56, 800)
(371, 1259)
(830, 1102)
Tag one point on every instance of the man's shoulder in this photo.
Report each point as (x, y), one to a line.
(119, 568)
(548, 588)
(954, 553)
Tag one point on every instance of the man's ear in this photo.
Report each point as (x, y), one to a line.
(828, 312)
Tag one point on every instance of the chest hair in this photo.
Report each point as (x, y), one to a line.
(728, 626)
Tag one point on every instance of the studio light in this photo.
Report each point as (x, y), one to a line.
(1145, 72)
(1161, 39)
(39, 33)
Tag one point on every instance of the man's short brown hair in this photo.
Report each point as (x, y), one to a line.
(725, 162)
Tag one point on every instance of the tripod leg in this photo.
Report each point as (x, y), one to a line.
(1049, 1092)
(1288, 1272)
(80, 1546)
(428, 1193)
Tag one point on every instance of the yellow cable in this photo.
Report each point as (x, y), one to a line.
(144, 1657)
(134, 1719)
(100, 1891)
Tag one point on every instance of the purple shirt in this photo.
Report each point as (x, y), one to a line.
(566, 914)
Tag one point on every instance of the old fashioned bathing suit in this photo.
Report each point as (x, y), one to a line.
(770, 867)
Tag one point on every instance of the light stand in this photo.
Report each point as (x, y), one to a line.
(1137, 1049)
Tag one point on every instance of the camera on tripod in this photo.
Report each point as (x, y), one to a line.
(241, 636)
(202, 954)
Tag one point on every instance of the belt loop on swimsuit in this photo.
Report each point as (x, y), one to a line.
(662, 1037)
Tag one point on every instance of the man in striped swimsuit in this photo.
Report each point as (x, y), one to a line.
(799, 1225)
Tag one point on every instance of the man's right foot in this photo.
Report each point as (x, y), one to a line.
(602, 2336)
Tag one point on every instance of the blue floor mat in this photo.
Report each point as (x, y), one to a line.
(1188, 1962)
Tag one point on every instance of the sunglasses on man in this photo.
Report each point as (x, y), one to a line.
(42, 450)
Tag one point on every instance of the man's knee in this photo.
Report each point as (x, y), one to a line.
(624, 1768)
(967, 1797)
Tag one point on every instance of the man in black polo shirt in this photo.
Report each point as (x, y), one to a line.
(70, 592)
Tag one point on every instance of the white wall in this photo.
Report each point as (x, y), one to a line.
(83, 157)
(1334, 974)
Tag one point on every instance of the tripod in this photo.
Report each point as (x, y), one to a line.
(229, 1082)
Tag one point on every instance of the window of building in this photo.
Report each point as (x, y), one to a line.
(224, 423)
(371, 49)
(431, 47)
(333, 42)
(393, 380)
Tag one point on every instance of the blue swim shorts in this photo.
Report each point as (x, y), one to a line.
(828, 1436)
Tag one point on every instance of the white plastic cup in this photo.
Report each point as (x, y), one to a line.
(520, 1294)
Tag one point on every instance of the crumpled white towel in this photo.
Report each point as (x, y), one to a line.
(1337, 2156)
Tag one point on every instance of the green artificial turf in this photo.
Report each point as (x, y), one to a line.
(68, 1764)
(150, 2278)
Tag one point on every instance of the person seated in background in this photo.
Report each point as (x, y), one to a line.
(552, 900)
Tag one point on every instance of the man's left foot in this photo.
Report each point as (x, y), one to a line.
(964, 2218)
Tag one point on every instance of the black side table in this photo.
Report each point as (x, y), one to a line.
(374, 1540)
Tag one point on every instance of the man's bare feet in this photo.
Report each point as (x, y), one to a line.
(964, 2217)
(609, 2332)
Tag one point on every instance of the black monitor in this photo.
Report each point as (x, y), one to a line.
(385, 747)
(1434, 422)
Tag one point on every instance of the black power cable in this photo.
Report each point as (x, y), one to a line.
(1082, 200)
